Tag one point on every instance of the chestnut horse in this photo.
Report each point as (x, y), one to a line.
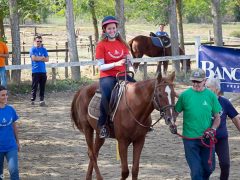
(131, 121)
(142, 45)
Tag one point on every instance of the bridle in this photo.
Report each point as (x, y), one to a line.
(156, 103)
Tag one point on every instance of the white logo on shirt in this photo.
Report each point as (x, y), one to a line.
(116, 54)
(205, 103)
(5, 123)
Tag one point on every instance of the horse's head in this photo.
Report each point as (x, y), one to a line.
(164, 97)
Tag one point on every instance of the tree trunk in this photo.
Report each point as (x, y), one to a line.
(174, 34)
(2, 32)
(94, 19)
(71, 36)
(180, 23)
(119, 11)
(16, 47)
(217, 23)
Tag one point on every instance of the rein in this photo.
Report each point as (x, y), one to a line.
(155, 101)
(212, 142)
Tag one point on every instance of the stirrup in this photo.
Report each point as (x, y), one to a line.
(103, 132)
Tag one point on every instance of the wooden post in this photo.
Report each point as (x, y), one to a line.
(92, 55)
(7, 71)
(23, 48)
(66, 60)
(209, 36)
(35, 31)
(57, 51)
(197, 44)
(54, 76)
(145, 71)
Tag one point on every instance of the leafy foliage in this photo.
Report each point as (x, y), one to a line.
(155, 11)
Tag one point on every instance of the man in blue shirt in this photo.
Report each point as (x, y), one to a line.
(161, 31)
(39, 56)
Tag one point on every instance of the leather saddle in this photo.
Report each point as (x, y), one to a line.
(160, 41)
(94, 105)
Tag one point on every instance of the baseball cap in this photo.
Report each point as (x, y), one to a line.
(198, 75)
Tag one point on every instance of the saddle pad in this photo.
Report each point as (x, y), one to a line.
(162, 41)
(94, 106)
(157, 42)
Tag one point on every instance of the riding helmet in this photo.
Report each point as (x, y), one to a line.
(109, 19)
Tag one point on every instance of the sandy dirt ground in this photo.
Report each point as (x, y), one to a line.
(51, 149)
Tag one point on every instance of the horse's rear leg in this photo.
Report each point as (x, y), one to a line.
(165, 67)
(93, 150)
(123, 151)
(137, 149)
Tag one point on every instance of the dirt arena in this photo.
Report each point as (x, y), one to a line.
(51, 149)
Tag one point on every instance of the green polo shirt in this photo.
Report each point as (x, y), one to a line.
(198, 109)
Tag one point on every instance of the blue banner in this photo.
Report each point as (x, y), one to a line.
(223, 63)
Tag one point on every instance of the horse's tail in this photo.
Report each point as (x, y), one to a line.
(74, 111)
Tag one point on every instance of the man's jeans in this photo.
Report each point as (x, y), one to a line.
(12, 160)
(197, 156)
(3, 77)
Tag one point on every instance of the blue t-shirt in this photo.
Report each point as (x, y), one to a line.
(161, 33)
(8, 116)
(227, 111)
(38, 66)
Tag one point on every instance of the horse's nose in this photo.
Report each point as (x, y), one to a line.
(168, 120)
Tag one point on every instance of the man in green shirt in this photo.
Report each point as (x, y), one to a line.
(198, 105)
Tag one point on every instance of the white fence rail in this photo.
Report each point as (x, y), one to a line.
(83, 62)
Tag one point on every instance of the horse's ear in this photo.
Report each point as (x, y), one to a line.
(172, 76)
(159, 76)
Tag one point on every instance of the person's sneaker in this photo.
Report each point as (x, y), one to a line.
(103, 132)
(32, 102)
(42, 103)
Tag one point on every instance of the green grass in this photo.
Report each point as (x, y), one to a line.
(235, 34)
(61, 85)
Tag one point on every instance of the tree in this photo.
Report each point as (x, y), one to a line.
(119, 12)
(155, 11)
(217, 22)
(15, 32)
(3, 11)
(174, 34)
(180, 23)
(73, 53)
(91, 4)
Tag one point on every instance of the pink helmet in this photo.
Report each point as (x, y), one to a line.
(109, 19)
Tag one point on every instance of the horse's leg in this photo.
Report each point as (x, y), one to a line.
(137, 149)
(123, 151)
(98, 144)
(165, 67)
(92, 155)
(136, 64)
(159, 67)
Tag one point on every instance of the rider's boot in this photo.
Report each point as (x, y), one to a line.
(103, 132)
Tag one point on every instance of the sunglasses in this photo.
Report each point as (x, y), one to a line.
(39, 41)
(198, 82)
